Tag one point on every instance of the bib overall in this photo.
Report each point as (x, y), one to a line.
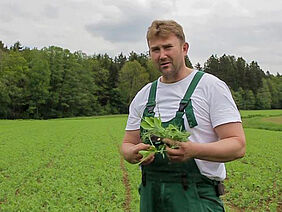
(176, 187)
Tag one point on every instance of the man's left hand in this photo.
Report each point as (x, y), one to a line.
(182, 153)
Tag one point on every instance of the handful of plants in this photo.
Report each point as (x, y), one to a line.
(155, 133)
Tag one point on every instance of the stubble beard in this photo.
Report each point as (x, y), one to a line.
(171, 73)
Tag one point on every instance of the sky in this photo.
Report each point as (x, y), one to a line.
(251, 29)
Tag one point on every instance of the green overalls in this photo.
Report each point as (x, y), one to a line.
(176, 187)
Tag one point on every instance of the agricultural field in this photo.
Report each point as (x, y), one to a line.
(61, 165)
(75, 165)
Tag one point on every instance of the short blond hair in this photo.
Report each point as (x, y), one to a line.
(163, 28)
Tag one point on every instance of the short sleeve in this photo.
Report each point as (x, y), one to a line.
(137, 108)
(222, 106)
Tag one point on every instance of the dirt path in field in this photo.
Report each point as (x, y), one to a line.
(126, 204)
(277, 120)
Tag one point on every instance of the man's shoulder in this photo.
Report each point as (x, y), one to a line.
(209, 80)
(142, 95)
(210, 77)
(210, 85)
(145, 89)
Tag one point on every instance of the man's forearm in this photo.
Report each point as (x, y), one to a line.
(224, 150)
(230, 146)
(126, 151)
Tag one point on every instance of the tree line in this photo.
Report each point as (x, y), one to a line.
(54, 82)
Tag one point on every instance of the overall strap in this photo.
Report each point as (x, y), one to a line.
(186, 104)
(150, 106)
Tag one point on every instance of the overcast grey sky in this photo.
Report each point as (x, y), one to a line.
(251, 29)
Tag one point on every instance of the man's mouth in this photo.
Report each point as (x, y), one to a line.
(164, 63)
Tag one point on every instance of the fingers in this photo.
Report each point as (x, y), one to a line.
(174, 152)
(175, 155)
(141, 146)
(135, 156)
(176, 159)
(148, 160)
(171, 142)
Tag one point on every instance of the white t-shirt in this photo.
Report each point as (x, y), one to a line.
(212, 103)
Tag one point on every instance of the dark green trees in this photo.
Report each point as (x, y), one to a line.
(251, 88)
(54, 82)
(131, 79)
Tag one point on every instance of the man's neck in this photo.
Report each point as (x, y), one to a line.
(180, 76)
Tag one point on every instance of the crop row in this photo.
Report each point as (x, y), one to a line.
(61, 165)
(254, 182)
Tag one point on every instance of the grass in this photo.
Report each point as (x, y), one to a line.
(260, 113)
(67, 164)
(254, 182)
(61, 165)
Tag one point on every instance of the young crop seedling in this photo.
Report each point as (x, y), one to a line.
(155, 133)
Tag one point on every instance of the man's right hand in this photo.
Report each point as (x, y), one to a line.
(131, 146)
(132, 153)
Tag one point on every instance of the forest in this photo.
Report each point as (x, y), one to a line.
(53, 82)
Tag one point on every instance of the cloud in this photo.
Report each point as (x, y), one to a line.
(51, 11)
(250, 29)
(237, 29)
(123, 31)
(129, 21)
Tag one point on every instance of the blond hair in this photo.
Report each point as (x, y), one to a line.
(163, 28)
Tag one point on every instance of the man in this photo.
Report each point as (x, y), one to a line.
(189, 177)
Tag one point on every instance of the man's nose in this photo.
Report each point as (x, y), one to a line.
(162, 54)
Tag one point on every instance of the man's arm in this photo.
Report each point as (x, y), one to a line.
(231, 146)
(131, 145)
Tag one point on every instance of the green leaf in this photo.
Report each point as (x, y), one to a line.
(150, 121)
(144, 153)
(145, 125)
(147, 153)
(157, 122)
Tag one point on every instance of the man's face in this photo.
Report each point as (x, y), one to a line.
(168, 54)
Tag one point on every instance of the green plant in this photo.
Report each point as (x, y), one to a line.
(154, 131)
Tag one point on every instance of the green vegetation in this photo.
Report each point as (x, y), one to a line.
(254, 182)
(61, 165)
(154, 132)
(260, 113)
(153, 127)
(55, 83)
(74, 164)
(262, 119)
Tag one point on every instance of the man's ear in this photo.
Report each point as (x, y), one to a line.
(185, 47)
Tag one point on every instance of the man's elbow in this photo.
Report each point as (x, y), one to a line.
(241, 153)
(242, 149)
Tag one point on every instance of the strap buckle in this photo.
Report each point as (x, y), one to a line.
(183, 105)
(150, 107)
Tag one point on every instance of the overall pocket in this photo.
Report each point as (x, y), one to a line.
(208, 197)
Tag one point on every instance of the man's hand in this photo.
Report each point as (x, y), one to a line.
(132, 145)
(181, 152)
(149, 159)
(133, 155)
